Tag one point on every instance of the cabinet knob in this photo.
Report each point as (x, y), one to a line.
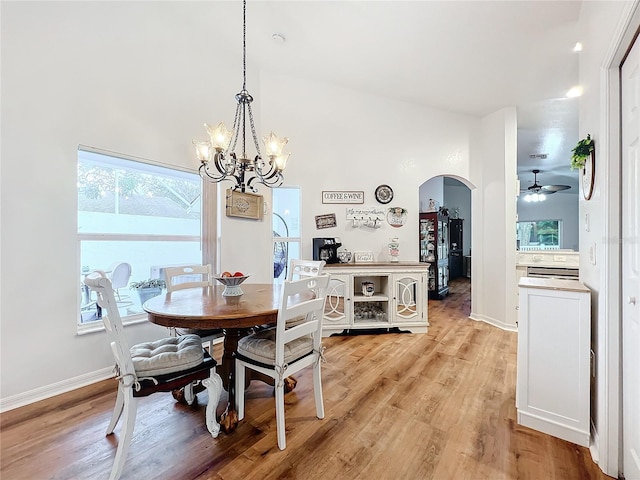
(631, 300)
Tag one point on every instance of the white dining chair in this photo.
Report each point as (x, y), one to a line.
(301, 269)
(119, 273)
(160, 366)
(285, 350)
(193, 276)
(305, 268)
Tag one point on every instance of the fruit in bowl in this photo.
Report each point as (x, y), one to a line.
(228, 274)
(232, 283)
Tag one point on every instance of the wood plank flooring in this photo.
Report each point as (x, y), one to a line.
(398, 406)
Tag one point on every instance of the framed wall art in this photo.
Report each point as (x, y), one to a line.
(326, 221)
(244, 205)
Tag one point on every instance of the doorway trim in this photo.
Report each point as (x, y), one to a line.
(609, 387)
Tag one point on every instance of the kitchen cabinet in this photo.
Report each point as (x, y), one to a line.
(376, 296)
(552, 387)
(434, 250)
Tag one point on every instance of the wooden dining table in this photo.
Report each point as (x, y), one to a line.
(206, 308)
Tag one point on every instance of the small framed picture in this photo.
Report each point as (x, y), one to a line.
(244, 205)
(363, 257)
(326, 221)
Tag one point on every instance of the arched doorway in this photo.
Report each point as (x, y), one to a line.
(450, 198)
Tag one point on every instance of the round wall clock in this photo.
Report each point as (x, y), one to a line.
(384, 194)
(588, 176)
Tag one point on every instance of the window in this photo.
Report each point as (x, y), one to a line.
(129, 211)
(286, 230)
(539, 235)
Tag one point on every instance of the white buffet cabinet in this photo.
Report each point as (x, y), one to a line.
(399, 298)
(552, 393)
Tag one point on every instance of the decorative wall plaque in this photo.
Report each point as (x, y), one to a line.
(244, 205)
(326, 221)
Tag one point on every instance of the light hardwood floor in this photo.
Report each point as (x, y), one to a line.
(398, 406)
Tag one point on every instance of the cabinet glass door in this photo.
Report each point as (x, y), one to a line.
(407, 296)
(336, 306)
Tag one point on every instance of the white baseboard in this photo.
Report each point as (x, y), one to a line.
(493, 321)
(594, 445)
(48, 391)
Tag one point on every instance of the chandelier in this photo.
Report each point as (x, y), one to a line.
(218, 159)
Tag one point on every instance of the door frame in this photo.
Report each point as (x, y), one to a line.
(609, 385)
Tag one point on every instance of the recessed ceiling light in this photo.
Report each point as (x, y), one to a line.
(577, 47)
(574, 91)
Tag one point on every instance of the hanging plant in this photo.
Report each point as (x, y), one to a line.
(581, 152)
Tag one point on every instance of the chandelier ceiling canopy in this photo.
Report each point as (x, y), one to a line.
(218, 158)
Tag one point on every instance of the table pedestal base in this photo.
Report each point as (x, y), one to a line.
(227, 371)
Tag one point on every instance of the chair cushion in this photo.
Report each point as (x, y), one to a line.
(167, 355)
(292, 322)
(261, 347)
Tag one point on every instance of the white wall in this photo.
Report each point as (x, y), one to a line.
(336, 139)
(80, 73)
(559, 206)
(432, 189)
(97, 74)
(494, 212)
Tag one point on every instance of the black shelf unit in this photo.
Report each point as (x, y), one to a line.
(456, 266)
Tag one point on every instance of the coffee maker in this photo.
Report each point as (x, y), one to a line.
(326, 249)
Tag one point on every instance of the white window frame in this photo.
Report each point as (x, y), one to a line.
(208, 218)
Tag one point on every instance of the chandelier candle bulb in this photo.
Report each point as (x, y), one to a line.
(281, 161)
(220, 136)
(203, 150)
(274, 145)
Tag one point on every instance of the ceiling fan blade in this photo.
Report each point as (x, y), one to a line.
(555, 188)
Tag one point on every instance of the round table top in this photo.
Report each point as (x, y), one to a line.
(206, 308)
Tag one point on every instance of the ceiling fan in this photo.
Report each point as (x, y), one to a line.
(546, 189)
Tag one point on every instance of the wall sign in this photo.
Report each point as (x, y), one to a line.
(342, 196)
(363, 257)
(244, 205)
(326, 221)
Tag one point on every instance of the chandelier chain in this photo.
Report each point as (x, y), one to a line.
(244, 45)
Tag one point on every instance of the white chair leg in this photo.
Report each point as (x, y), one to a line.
(129, 421)
(282, 441)
(240, 389)
(317, 390)
(189, 396)
(117, 411)
(214, 388)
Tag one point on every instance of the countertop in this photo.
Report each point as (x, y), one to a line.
(376, 264)
(552, 284)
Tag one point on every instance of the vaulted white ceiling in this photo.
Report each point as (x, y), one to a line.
(471, 57)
